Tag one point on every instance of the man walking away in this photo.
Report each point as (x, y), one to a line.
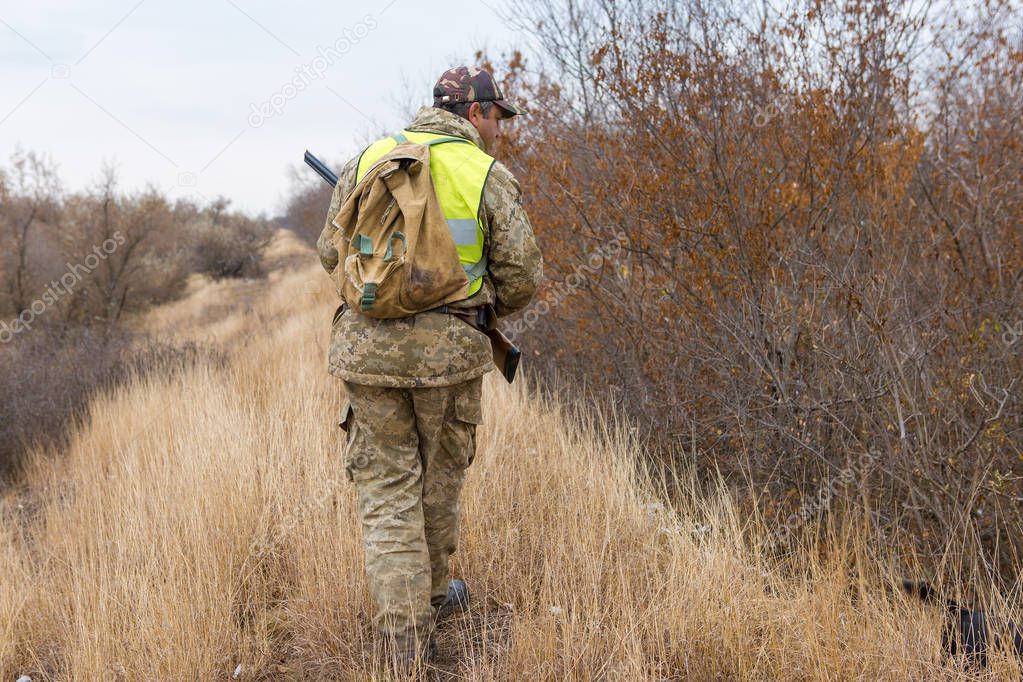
(414, 383)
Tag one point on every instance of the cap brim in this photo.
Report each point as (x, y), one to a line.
(508, 108)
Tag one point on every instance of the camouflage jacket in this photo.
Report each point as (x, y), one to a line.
(437, 349)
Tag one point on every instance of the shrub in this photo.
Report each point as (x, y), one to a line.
(50, 374)
(228, 245)
(783, 257)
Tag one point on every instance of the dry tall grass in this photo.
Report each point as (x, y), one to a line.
(200, 522)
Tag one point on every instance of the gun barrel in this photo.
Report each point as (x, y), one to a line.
(320, 168)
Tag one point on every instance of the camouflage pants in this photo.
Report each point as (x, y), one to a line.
(407, 452)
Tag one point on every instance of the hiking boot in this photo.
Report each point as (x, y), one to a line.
(457, 600)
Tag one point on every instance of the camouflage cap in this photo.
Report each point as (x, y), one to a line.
(470, 84)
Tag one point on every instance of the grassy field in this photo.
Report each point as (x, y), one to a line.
(199, 526)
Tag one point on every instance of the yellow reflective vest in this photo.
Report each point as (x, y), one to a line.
(459, 171)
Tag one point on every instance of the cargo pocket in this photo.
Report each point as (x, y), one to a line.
(469, 415)
(347, 425)
(338, 313)
(346, 417)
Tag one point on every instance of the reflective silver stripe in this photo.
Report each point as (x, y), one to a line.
(463, 230)
(475, 271)
(399, 138)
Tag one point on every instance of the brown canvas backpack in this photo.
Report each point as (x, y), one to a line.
(396, 253)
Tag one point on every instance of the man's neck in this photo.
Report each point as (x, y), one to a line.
(434, 120)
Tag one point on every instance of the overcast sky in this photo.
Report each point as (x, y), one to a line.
(221, 97)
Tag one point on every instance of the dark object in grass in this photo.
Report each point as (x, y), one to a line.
(966, 631)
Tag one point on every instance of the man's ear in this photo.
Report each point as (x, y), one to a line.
(474, 112)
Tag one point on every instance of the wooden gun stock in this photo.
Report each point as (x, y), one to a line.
(506, 355)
